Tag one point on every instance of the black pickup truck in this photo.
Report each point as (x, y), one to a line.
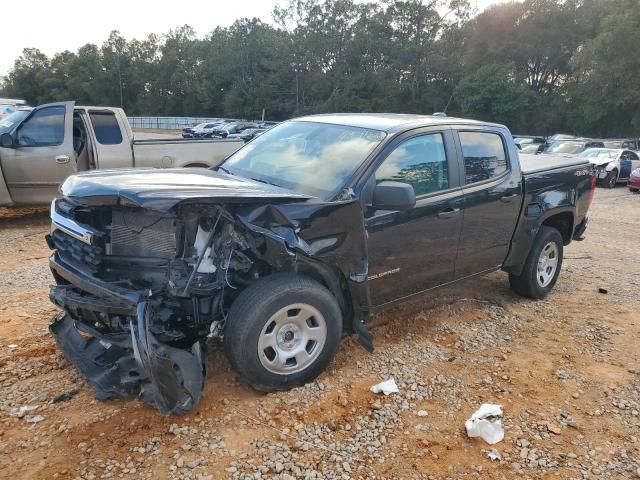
(294, 240)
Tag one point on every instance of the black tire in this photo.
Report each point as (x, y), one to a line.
(611, 179)
(249, 315)
(633, 190)
(527, 284)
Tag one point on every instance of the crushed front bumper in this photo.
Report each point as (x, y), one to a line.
(118, 364)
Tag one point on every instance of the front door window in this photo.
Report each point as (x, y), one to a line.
(45, 128)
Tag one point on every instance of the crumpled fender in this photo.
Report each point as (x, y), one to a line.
(326, 236)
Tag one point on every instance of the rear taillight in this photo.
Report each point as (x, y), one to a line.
(592, 188)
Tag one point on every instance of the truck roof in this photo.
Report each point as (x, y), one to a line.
(388, 122)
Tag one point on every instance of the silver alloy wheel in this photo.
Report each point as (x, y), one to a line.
(292, 339)
(547, 264)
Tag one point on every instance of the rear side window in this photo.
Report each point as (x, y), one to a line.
(419, 161)
(44, 128)
(106, 127)
(484, 155)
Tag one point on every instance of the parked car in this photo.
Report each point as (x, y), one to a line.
(41, 147)
(532, 148)
(527, 139)
(628, 144)
(234, 127)
(612, 165)
(208, 130)
(634, 181)
(198, 130)
(572, 147)
(247, 134)
(295, 239)
(10, 105)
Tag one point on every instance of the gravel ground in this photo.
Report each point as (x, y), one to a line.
(565, 370)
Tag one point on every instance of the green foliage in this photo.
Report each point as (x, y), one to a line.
(605, 95)
(494, 93)
(538, 65)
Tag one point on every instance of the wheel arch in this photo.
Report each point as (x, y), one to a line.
(333, 281)
(563, 222)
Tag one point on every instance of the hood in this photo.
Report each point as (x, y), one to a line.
(162, 189)
(600, 161)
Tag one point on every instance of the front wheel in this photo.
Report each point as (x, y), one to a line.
(542, 267)
(282, 332)
(611, 179)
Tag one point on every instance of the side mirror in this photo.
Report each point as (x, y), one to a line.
(6, 140)
(394, 196)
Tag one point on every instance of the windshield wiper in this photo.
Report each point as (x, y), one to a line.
(220, 167)
(265, 181)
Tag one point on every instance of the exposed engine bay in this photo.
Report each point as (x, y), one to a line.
(143, 290)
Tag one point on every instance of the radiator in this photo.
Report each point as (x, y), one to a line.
(137, 233)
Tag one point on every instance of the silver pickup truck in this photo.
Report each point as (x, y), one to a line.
(41, 147)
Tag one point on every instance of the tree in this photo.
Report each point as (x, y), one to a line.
(604, 95)
(494, 93)
(537, 65)
(28, 74)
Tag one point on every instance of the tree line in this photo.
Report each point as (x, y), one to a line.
(539, 66)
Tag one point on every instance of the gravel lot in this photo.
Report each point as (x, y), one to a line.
(566, 371)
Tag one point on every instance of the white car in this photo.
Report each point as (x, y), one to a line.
(613, 165)
(10, 105)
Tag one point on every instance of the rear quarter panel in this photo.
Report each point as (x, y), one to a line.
(562, 190)
(182, 153)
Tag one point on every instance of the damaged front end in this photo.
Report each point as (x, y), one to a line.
(142, 289)
(141, 292)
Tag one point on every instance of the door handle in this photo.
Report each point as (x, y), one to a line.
(508, 198)
(62, 159)
(448, 213)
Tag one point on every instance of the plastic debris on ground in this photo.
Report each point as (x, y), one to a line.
(494, 454)
(486, 423)
(22, 411)
(34, 418)
(387, 387)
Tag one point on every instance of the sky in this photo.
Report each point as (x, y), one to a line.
(56, 25)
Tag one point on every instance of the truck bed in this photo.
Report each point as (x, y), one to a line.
(538, 163)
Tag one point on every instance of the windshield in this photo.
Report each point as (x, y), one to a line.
(8, 123)
(566, 147)
(308, 157)
(599, 153)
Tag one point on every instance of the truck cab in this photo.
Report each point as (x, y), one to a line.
(41, 147)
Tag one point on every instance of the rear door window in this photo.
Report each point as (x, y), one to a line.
(484, 155)
(106, 127)
(45, 128)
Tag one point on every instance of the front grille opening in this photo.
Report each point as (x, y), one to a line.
(135, 233)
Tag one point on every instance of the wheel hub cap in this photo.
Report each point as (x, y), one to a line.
(547, 264)
(292, 339)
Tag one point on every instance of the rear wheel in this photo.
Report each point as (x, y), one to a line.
(282, 332)
(633, 190)
(542, 267)
(611, 179)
